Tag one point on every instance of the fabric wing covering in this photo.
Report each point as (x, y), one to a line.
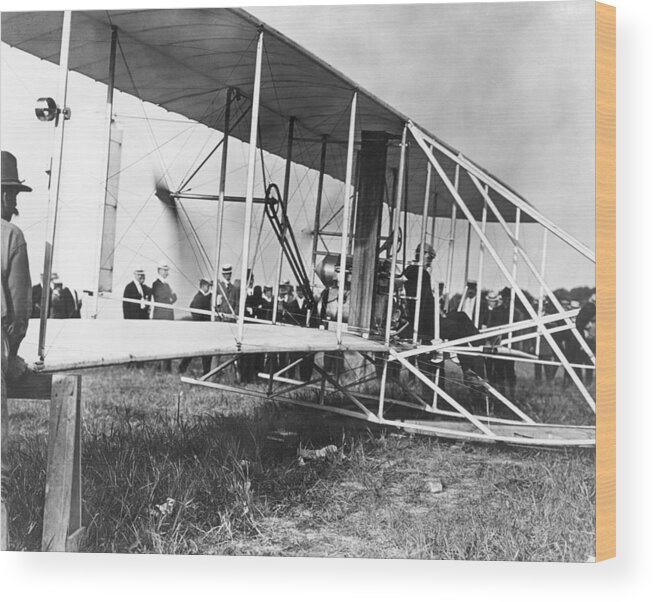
(185, 60)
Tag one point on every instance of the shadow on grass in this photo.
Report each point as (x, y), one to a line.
(177, 471)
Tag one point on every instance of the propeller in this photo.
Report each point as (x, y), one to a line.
(163, 192)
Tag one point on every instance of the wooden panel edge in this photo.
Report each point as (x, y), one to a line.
(606, 281)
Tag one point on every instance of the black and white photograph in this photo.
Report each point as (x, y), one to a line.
(300, 281)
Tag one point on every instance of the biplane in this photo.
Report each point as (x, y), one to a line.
(368, 176)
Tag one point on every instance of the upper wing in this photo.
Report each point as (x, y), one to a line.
(185, 60)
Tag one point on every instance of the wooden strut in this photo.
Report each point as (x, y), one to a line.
(250, 187)
(451, 246)
(55, 181)
(220, 210)
(285, 201)
(462, 205)
(421, 261)
(319, 202)
(515, 262)
(106, 175)
(392, 269)
(467, 260)
(540, 307)
(478, 293)
(346, 215)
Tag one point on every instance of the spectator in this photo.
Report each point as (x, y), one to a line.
(467, 303)
(202, 300)
(162, 293)
(62, 304)
(16, 306)
(137, 290)
(229, 294)
(253, 363)
(501, 373)
(585, 322)
(297, 313)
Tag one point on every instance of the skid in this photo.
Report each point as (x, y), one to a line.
(337, 388)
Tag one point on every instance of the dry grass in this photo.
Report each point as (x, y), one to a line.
(148, 438)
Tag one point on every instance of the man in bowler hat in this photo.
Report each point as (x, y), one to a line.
(16, 304)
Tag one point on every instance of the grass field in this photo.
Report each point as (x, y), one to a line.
(169, 468)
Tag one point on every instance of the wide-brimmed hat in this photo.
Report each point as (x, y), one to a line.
(226, 268)
(162, 265)
(205, 280)
(10, 173)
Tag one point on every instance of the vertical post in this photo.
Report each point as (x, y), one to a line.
(220, 210)
(355, 203)
(396, 225)
(437, 312)
(466, 266)
(540, 308)
(421, 262)
(405, 213)
(53, 201)
(366, 233)
(394, 188)
(250, 188)
(346, 214)
(451, 245)
(109, 109)
(319, 200)
(433, 233)
(62, 508)
(515, 259)
(285, 200)
(478, 294)
(394, 258)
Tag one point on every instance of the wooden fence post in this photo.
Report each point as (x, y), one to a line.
(62, 514)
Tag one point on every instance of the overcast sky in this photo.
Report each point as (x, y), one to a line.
(509, 84)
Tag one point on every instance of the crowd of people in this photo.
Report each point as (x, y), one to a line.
(458, 319)
(155, 302)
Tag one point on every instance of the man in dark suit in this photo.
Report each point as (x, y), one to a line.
(228, 294)
(162, 293)
(202, 300)
(62, 304)
(295, 312)
(137, 290)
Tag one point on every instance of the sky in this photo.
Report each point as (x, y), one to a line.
(510, 85)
